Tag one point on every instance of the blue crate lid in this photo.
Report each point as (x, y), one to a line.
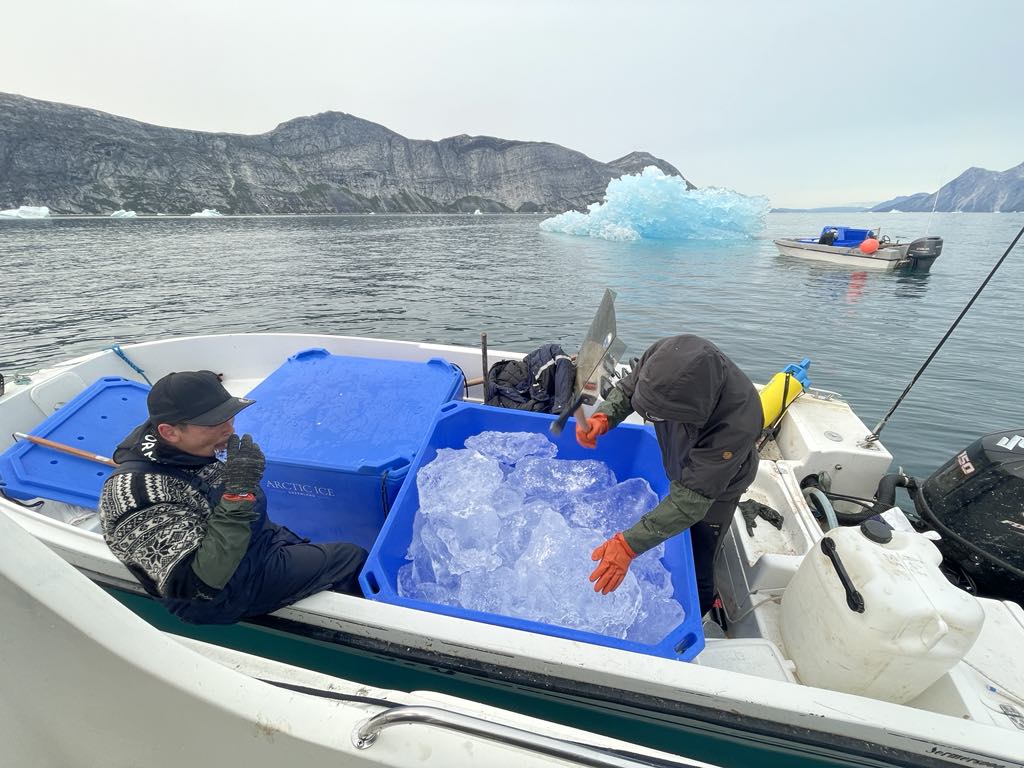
(630, 450)
(95, 420)
(340, 412)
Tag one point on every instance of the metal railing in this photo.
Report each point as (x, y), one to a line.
(365, 734)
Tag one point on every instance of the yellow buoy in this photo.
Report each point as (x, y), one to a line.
(783, 388)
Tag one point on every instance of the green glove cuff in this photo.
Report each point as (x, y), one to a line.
(676, 512)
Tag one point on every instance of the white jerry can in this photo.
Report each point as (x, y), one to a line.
(869, 612)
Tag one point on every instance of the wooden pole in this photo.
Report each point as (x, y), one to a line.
(66, 449)
(483, 352)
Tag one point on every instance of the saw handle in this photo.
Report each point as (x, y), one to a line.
(575, 409)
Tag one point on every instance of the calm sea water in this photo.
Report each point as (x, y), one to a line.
(72, 286)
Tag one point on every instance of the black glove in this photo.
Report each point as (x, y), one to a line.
(244, 466)
(754, 509)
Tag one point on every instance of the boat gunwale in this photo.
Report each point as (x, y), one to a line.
(723, 723)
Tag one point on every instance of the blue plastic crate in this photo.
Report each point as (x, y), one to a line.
(95, 420)
(847, 237)
(629, 450)
(339, 434)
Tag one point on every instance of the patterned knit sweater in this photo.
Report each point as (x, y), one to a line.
(154, 522)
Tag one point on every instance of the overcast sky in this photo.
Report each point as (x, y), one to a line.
(809, 102)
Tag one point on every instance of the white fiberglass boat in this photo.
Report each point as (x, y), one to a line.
(845, 645)
(158, 700)
(859, 248)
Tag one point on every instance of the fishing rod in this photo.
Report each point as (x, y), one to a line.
(885, 419)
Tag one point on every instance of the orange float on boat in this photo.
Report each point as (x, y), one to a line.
(869, 246)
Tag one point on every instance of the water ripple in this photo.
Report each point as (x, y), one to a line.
(72, 286)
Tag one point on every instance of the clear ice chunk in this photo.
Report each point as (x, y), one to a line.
(457, 478)
(510, 447)
(560, 479)
(505, 528)
(471, 541)
(553, 585)
(411, 587)
(614, 508)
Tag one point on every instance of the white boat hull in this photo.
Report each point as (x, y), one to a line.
(88, 683)
(886, 258)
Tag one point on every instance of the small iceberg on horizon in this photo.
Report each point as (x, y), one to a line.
(206, 213)
(478, 212)
(26, 212)
(653, 206)
(123, 214)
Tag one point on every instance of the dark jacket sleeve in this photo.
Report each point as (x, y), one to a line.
(565, 380)
(676, 512)
(616, 406)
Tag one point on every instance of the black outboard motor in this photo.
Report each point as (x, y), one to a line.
(976, 503)
(923, 252)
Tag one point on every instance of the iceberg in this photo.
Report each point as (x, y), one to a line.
(207, 213)
(478, 212)
(653, 206)
(123, 214)
(26, 212)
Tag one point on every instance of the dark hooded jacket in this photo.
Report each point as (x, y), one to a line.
(542, 381)
(710, 418)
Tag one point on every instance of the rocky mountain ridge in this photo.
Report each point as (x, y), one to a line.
(78, 160)
(976, 190)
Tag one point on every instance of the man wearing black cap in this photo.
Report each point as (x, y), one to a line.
(194, 530)
(707, 416)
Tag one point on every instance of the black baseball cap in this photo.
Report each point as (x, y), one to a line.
(192, 397)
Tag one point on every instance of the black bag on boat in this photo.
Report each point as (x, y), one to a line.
(542, 381)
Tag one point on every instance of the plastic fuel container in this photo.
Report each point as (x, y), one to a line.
(868, 612)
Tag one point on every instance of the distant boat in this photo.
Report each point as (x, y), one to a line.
(860, 248)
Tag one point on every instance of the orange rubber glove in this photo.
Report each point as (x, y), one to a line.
(598, 426)
(615, 556)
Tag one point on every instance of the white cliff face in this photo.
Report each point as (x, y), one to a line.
(83, 161)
